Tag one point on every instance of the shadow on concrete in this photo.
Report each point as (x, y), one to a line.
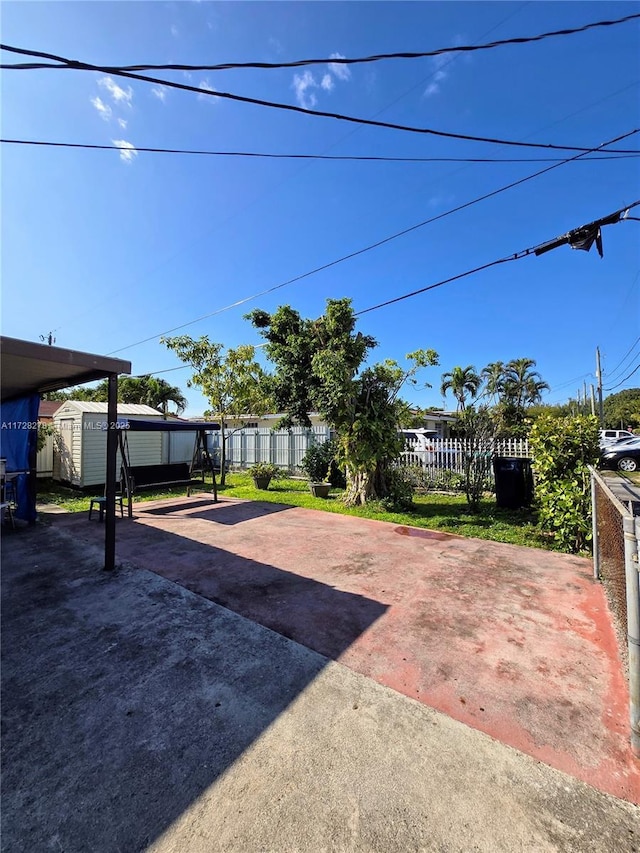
(125, 696)
(294, 605)
(222, 512)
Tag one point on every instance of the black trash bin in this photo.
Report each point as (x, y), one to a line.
(514, 482)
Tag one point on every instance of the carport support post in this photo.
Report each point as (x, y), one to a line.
(110, 490)
(631, 527)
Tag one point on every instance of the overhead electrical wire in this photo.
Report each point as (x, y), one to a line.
(336, 157)
(622, 381)
(82, 66)
(337, 60)
(376, 245)
(611, 373)
(536, 250)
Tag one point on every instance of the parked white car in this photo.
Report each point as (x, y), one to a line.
(610, 436)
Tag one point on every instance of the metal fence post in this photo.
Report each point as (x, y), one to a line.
(594, 527)
(631, 536)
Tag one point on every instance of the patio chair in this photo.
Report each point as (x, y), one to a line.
(100, 502)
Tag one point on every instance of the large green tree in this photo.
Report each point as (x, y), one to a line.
(147, 390)
(523, 386)
(233, 382)
(463, 382)
(319, 367)
(622, 410)
(493, 377)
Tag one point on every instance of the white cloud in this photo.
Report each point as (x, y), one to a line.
(118, 94)
(302, 84)
(206, 87)
(174, 31)
(104, 110)
(342, 72)
(440, 75)
(123, 123)
(128, 151)
(327, 82)
(160, 92)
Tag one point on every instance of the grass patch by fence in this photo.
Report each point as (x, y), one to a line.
(447, 512)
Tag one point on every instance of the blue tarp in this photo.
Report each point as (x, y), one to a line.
(18, 443)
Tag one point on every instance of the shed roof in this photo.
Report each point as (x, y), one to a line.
(123, 408)
(30, 368)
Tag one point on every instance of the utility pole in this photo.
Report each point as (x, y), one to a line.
(599, 378)
(593, 400)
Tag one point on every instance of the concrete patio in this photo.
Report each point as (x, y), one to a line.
(139, 715)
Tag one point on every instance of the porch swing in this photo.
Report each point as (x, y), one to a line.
(135, 478)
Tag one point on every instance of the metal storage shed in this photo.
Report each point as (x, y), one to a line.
(81, 441)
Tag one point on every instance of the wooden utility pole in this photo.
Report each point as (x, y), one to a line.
(593, 400)
(599, 379)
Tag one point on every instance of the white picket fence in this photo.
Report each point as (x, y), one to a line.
(449, 453)
(284, 447)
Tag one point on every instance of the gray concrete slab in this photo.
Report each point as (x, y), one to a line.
(137, 715)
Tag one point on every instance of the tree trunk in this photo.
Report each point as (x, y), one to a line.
(361, 487)
(223, 454)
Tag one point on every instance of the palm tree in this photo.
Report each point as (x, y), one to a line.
(522, 384)
(462, 381)
(160, 393)
(493, 376)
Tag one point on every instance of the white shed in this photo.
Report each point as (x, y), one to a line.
(81, 441)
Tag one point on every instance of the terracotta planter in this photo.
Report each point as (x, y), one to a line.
(261, 482)
(320, 490)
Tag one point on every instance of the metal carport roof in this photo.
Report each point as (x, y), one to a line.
(29, 368)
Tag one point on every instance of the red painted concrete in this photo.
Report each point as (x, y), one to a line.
(513, 641)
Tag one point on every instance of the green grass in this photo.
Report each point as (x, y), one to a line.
(447, 512)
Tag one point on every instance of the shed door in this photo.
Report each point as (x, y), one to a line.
(67, 468)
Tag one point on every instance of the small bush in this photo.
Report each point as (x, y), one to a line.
(266, 469)
(319, 464)
(562, 449)
(400, 488)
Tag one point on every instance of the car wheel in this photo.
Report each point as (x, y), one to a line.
(627, 464)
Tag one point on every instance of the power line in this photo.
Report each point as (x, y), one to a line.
(375, 245)
(337, 157)
(81, 66)
(623, 359)
(370, 247)
(536, 250)
(622, 381)
(337, 60)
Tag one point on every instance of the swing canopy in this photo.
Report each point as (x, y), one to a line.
(158, 425)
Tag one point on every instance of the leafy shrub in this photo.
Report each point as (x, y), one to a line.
(44, 431)
(319, 464)
(399, 490)
(562, 449)
(266, 469)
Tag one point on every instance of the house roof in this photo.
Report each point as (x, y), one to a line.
(30, 368)
(48, 408)
(123, 408)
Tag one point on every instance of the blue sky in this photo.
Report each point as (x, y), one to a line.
(108, 248)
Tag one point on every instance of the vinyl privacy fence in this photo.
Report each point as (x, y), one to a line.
(286, 448)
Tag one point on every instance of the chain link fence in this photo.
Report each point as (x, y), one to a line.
(616, 535)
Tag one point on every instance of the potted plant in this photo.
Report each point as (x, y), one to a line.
(315, 464)
(263, 473)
